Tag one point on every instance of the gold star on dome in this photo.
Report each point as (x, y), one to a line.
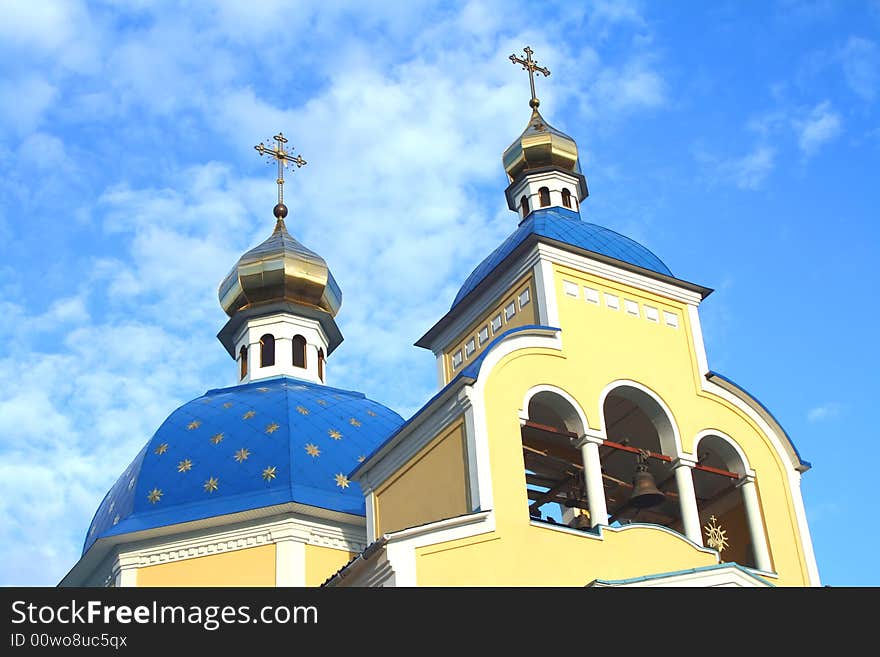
(112, 504)
(154, 495)
(313, 450)
(272, 428)
(269, 473)
(92, 530)
(342, 480)
(131, 483)
(216, 438)
(322, 402)
(242, 455)
(302, 410)
(195, 424)
(116, 520)
(248, 415)
(185, 465)
(228, 405)
(262, 389)
(161, 449)
(334, 434)
(354, 422)
(361, 458)
(211, 485)
(371, 414)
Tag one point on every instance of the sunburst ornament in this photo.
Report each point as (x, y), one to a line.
(262, 389)
(185, 465)
(248, 415)
(154, 495)
(242, 455)
(361, 458)
(228, 405)
(313, 450)
(302, 410)
(211, 485)
(161, 449)
(371, 414)
(322, 402)
(716, 535)
(116, 520)
(353, 422)
(195, 424)
(342, 481)
(272, 428)
(216, 438)
(269, 473)
(334, 434)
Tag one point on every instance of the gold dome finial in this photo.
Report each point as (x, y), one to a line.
(532, 67)
(540, 145)
(280, 269)
(284, 159)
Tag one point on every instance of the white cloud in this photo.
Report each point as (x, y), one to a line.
(825, 411)
(24, 101)
(820, 126)
(748, 171)
(861, 66)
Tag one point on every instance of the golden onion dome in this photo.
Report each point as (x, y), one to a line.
(280, 269)
(540, 145)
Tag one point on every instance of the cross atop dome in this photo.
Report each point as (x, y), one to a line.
(532, 67)
(284, 160)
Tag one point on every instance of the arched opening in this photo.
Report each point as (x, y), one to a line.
(321, 365)
(545, 196)
(524, 204)
(639, 432)
(723, 515)
(267, 350)
(566, 197)
(243, 361)
(299, 351)
(554, 470)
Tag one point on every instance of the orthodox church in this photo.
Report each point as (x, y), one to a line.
(578, 436)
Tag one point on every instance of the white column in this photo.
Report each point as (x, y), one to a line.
(593, 477)
(756, 523)
(690, 513)
(290, 557)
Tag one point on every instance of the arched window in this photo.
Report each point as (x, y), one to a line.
(267, 350)
(566, 197)
(545, 196)
(722, 493)
(554, 473)
(242, 359)
(321, 364)
(299, 351)
(639, 435)
(524, 204)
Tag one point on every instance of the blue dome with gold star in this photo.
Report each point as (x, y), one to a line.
(234, 449)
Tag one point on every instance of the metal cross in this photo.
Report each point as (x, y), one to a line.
(284, 158)
(531, 66)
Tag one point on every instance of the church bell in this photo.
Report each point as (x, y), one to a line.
(645, 493)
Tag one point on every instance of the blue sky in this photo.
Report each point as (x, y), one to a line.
(738, 141)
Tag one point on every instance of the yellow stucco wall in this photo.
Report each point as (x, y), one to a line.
(321, 562)
(247, 567)
(600, 346)
(430, 486)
